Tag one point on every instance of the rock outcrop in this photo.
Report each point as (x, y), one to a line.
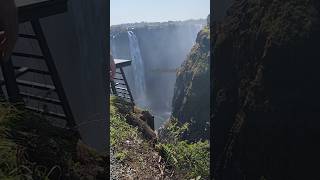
(266, 91)
(133, 154)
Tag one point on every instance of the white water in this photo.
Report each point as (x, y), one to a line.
(139, 90)
(113, 48)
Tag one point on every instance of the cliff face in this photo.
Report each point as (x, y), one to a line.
(266, 94)
(220, 9)
(191, 101)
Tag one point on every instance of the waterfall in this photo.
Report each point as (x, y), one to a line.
(138, 70)
(113, 47)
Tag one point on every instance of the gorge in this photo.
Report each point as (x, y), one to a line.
(157, 50)
(169, 76)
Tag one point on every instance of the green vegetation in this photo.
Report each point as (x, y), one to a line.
(31, 148)
(122, 155)
(130, 150)
(120, 130)
(192, 89)
(182, 144)
(190, 159)
(13, 161)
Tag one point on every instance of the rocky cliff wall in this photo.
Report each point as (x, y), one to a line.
(266, 95)
(191, 101)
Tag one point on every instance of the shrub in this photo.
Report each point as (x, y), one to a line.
(120, 131)
(121, 156)
(189, 158)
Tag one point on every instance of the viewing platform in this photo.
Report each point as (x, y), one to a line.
(120, 63)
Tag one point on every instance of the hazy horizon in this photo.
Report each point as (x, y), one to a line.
(150, 22)
(128, 11)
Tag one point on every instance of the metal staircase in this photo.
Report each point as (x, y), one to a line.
(33, 78)
(119, 86)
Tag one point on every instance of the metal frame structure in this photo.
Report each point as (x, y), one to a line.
(120, 86)
(32, 11)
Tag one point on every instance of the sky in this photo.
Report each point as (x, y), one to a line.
(131, 11)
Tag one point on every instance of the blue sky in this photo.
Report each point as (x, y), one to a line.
(130, 11)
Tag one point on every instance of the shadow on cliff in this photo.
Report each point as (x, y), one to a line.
(266, 91)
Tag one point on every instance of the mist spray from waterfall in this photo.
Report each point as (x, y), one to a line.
(138, 70)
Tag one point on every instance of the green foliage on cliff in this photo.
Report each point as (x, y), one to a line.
(189, 159)
(191, 101)
(183, 144)
(186, 160)
(132, 155)
(120, 130)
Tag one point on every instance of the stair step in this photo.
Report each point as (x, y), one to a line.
(52, 114)
(27, 36)
(40, 98)
(118, 79)
(125, 97)
(120, 84)
(123, 89)
(35, 85)
(21, 71)
(124, 92)
(26, 55)
(34, 70)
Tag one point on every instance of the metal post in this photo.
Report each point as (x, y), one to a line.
(127, 85)
(10, 81)
(113, 88)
